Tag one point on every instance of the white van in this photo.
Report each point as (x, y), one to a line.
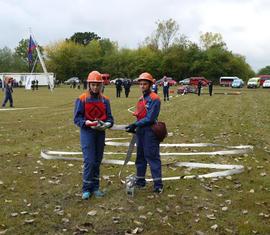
(227, 81)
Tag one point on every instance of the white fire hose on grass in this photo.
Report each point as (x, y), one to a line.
(226, 170)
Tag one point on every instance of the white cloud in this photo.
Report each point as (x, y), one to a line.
(243, 23)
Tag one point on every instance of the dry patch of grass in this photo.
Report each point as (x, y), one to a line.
(39, 196)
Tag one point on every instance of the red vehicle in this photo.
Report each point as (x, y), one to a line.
(106, 78)
(195, 80)
(263, 78)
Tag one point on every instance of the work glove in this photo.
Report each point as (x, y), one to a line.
(102, 126)
(98, 126)
(108, 124)
(131, 128)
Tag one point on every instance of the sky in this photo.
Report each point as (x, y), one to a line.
(243, 24)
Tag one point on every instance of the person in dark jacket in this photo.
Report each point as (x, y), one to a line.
(8, 92)
(210, 87)
(33, 85)
(93, 115)
(199, 88)
(36, 84)
(148, 108)
(118, 85)
(127, 85)
(84, 84)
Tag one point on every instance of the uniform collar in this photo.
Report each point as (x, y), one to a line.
(146, 93)
(94, 95)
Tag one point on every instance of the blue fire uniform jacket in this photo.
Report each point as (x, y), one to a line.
(155, 88)
(95, 107)
(147, 112)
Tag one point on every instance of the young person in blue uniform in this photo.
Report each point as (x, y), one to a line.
(93, 115)
(8, 92)
(148, 108)
(155, 87)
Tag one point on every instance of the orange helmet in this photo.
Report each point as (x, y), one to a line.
(146, 76)
(94, 76)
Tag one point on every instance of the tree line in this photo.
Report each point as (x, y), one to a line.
(164, 52)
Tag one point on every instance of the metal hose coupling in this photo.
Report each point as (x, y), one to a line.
(130, 185)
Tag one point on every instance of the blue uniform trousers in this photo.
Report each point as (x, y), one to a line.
(166, 93)
(8, 97)
(92, 143)
(148, 152)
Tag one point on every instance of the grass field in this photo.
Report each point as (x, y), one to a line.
(39, 196)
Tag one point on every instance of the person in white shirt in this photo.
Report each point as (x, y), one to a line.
(166, 87)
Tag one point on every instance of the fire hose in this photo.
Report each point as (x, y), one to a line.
(226, 170)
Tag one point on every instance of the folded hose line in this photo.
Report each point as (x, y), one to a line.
(190, 145)
(222, 152)
(16, 109)
(226, 169)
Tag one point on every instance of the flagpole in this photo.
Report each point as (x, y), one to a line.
(42, 61)
(34, 65)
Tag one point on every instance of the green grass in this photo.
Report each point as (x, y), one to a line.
(224, 119)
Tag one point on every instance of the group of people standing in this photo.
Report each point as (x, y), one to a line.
(92, 113)
(34, 84)
(119, 84)
(122, 83)
(210, 88)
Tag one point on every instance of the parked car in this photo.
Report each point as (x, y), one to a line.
(71, 80)
(266, 84)
(135, 81)
(263, 78)
(169, 79)
(237, 83)
(185, 81)
(195, 80)
(114, 80)
(253, 83)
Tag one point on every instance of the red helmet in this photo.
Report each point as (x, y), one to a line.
(146, 76)
(94, 76)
